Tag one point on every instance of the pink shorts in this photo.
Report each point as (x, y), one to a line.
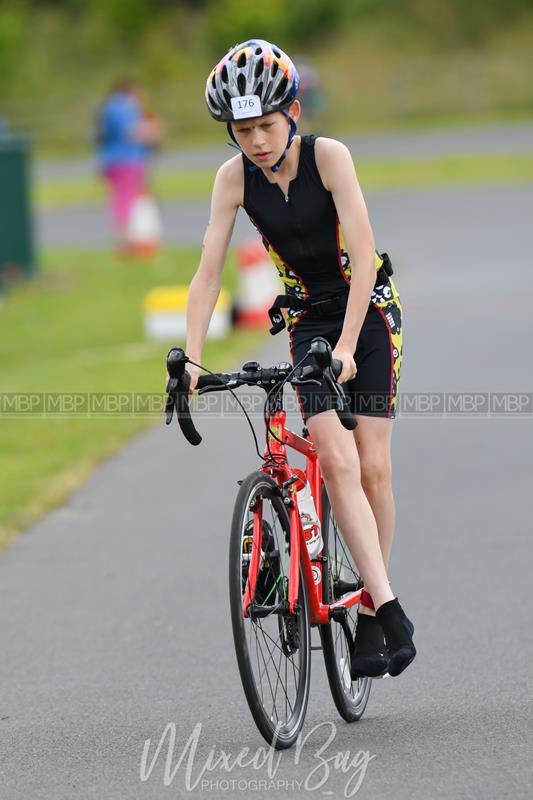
(125, 182)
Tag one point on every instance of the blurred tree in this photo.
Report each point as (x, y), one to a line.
(285, 22)
(13, 15)
(126, 18)
(232, 21)
(308, 19)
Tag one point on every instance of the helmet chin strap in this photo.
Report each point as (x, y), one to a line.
(277, 165)
(292, 133)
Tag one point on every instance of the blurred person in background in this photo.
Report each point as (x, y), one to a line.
(310, 92)
(128, 133)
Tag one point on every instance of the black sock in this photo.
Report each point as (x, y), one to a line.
(398, 631)
(369, 657)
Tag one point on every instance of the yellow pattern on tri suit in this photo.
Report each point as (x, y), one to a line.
(384, 297)
(293, 284)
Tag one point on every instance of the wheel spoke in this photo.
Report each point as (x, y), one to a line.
(268, 659)
(278, 681)
(277, 671)
(265, 670)
(277, 645)
(350, 696)
(276, 689)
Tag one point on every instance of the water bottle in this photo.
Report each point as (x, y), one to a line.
(308, 516)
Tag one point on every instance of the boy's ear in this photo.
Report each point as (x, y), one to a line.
(294, 110)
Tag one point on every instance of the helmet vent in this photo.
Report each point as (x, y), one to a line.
(259, 67)
(227, 97)
(280, 91)
(241, 84)
(275, 67)
(223, 74)
(241, 61)
(276, 52)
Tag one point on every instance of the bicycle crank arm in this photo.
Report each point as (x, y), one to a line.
(257, 611)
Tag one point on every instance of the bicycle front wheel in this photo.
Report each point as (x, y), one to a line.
(273, 647)
(340, 576)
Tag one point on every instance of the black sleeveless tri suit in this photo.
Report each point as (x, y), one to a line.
(302, 234)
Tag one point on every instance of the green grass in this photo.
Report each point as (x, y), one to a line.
(78, 328)
(169, 185)
(373, 173)
(442, 171)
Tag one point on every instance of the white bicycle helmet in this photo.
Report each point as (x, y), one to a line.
(254, 78)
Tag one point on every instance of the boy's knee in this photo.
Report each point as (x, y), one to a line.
(376, 474)
(337, 464)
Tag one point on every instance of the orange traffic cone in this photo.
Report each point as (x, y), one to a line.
(258, 285)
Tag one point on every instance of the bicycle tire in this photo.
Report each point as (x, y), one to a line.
(350, 697)
(277, 731)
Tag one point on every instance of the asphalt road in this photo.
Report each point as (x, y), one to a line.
(114, 619)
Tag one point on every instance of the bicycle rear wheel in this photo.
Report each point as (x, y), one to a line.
(339, 576)
(273, 647)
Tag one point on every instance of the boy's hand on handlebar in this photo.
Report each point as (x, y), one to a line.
(195, 373)
(349, 368)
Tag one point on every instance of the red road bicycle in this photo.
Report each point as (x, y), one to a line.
(276, 591)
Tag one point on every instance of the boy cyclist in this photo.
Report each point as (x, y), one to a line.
(302, 195)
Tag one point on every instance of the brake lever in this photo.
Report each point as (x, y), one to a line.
(300, 382)
(343, 407)
(176, 360)
(171, 404)
(335, 387)
(212, 388)
(221, 386)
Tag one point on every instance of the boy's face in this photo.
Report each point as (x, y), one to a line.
(264, 139)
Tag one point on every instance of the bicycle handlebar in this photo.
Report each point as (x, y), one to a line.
(252, 375)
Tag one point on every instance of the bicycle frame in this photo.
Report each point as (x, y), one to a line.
(319, 612)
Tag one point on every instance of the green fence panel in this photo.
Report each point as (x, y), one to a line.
(17, 251)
